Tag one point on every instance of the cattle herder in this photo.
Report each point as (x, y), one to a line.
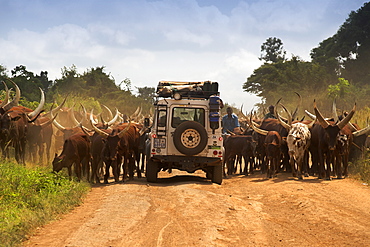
(271, 113)
(230, 122)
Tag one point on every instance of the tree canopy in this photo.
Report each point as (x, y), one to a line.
(340, 68)
(92, 88)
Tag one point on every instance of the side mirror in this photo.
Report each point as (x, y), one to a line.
(146, 122)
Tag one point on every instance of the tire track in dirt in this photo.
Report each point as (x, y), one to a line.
(191, 211)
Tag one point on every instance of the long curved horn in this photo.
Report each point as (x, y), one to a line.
(108, 110)
(319, 116)
(121, 133)
(56, 110)
(363, 131)
(255, 128)
(39, 107)
(311, 115)
(295, 113)
(135, 113)
(84, 117)
(114, 119)
(92, 120)
(335, 114)
(241, 112)
(99, 131)
(49, 121)
(6, 99)
(346, 120)
(288, 125)
(56, 124)
(15, 101)
(74, 117)
(310, 125)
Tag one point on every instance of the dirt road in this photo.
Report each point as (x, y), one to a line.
(191, 211)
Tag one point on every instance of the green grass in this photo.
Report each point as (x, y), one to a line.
(361, 169)
(30, 197)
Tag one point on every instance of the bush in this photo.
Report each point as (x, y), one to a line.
(31, 197)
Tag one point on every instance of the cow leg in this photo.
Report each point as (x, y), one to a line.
(268, 167)
(116, 169)
(292, 165)
(142, 160)
(131, 165)
(338, 166)
(328, 166)
(224, 163)
(41, 153)
(345, 164)
(125, 166)
(321, 164)
(137, 165)
(86, 168)
(273, 167)
(78, 170)
(70, 172)
(108, 164)
(305, 164)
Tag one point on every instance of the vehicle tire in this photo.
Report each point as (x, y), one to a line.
(217, 174)
(151, 171)
(190, 138)
(209, 172)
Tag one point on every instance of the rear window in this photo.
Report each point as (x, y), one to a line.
(182, 114)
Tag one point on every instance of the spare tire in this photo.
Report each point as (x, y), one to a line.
(190, 138)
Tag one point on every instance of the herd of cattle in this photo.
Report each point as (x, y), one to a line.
(322, 146)
(89, 145)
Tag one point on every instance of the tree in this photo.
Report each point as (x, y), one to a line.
(282, 79)
(127, 83)
(347, 53)
(146, 93)
(272, 51)
(71, 81)
(98, 82)
(28, 82)
(3, 73)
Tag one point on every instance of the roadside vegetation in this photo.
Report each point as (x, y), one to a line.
(361, 169)
(31, 197)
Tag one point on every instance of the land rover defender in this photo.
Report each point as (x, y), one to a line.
(186, 130)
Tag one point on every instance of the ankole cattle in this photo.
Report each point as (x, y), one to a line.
(76, 151)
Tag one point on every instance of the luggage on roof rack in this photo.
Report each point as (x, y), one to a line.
(202, 89)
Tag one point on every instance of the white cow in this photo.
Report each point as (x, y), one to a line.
(298, 141)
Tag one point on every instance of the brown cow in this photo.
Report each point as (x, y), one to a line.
(273, 153)
(76, 150)
(272, 143)
(121, 143)
(241, 146)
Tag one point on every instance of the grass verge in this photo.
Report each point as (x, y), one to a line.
(30, 197)
(361, 169)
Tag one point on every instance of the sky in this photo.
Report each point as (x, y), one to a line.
(151, 40)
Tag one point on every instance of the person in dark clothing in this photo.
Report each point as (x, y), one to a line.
(271, 113)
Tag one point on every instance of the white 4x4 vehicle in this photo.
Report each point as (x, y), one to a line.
(186, 130)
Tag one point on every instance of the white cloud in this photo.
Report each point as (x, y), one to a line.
(148, 41)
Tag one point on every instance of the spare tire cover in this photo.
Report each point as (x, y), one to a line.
(190, 138)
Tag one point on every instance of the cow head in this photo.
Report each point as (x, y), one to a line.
(58, 163)
(332, 128)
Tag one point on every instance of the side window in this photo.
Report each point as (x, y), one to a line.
(162, 118)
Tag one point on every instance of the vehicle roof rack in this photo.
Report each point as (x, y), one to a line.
(191, 90)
